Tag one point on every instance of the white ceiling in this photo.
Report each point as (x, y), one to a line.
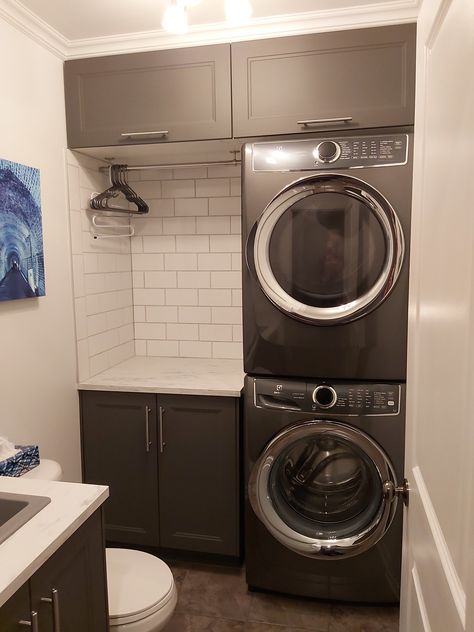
(84, 19)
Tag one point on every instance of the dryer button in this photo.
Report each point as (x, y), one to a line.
(324, 396)
(328, 151)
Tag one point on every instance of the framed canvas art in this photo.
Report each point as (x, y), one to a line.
(21, 234)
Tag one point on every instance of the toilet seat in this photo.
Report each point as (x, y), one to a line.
(139, 585)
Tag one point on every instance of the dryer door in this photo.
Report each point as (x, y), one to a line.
(328, 249)
(324, 489)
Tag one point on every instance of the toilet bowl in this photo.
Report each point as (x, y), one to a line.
(141, 589)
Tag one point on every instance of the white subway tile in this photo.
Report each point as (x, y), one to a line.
(237, 334)
(225, 243)
(147, 262)
(190, 349)
(99, 363)
(106, 262)
(136, 244)
(139, 313)
(237, 298)
(138, 279)
(179, 226)
(217, 187)
(213, 225)
(83, 366)
(140, 347)
(215, 333)
(231, 350)
(215, 261)
(96, 324)
(78, 275)
(236, 225)
(191, 206)
(227, 315)
(76, 233)
(178, 189)
(73, 188)
(126, 333)
(95, 283)
(163, 348)
(194, 314)
(162, 314)
(235, 186)
(226, 280)
(124, 262)
(156, 174)
(148, 190)
(103, 341)
(159, 244)
(236, 261)
(149, 297)
(161, 208)
(192, 243)
(224, 171)
(181, 297)
(121, 353)
(215, 297)
(189, 172)
(148, 226)
(91, 262)
(81, 318)
(194, 279)
(150, 331)
(225, 206)
(182, 332)
(160, 279)
(181, 262)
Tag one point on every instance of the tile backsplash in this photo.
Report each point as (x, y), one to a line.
(174, 288)
(186, 263)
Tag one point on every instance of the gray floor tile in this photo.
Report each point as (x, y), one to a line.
(352, 618)
(307, 614)
(197, 623)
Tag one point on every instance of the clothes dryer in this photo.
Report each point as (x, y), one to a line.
(324, 472)
(326, 224)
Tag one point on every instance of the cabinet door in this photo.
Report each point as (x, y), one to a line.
(366, 74)
(119, 450)
(16, 609)
(199, 474)
(169, 95)
(69, 591)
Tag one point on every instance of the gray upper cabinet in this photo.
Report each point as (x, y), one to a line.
(161, 96)
(291, 84)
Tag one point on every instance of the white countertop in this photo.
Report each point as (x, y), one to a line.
(28, 548)
(182, 376)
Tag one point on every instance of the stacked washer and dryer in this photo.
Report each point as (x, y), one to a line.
(326, 223)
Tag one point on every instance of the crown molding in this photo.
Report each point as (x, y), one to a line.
(395, 12)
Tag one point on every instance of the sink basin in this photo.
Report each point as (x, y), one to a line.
(16, 510)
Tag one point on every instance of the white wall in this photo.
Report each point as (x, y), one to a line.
(38, 398)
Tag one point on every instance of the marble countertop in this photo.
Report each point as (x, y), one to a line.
(28, 548)
(182, 376)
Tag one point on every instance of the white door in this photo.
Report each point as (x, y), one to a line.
(438, 570)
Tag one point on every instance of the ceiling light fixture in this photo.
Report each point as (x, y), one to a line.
(175, 17)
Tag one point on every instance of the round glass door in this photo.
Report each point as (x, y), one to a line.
(324, 489)
(328, 248)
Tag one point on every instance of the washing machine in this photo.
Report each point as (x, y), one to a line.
(326, 224)
(324, 481)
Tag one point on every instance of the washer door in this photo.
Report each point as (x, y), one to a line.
(328, 249)
(324, 489)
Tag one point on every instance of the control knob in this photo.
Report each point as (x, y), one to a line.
(328, 151)
(325, 396)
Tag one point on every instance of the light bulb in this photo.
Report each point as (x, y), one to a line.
(175, 19)
(237, 11)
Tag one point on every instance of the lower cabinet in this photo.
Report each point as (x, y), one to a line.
(172, 465)
(69, 592)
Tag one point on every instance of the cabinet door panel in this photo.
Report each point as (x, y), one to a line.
(185, 92)
(199, 474)
(77, 572)
(16, 609)
(366, 74)
(114, 448)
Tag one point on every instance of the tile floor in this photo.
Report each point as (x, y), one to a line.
(215, 599)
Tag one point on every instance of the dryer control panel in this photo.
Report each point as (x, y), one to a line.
(328, 398)
(344, 152)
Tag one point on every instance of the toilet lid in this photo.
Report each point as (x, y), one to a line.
(138, 584)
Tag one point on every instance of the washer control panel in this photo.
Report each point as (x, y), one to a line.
(339, 398)
(344, 152)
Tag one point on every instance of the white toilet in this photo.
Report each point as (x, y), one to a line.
(141, 588)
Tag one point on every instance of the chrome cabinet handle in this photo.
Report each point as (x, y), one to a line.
(163, 132)
(160, 417)
(147, 428)
(33, 624)
(339, 119)
(54, 600)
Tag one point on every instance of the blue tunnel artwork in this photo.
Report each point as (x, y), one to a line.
(21, 234)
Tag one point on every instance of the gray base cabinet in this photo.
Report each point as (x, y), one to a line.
(159, 96)
(294, 85)
(69, 592)
(181, 493)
